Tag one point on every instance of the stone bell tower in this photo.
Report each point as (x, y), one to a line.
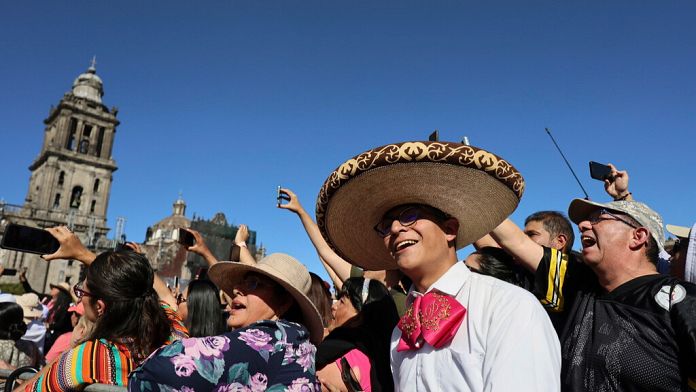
(71, 178)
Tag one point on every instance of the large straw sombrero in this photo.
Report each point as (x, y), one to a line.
(475, 186)
(284, 270)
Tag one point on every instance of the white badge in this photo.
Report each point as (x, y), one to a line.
(678, 295)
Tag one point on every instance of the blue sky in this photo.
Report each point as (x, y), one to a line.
(226, 100)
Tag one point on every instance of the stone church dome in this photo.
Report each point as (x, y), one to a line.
(88, 85)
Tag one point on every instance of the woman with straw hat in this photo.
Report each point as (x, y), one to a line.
(272, 346)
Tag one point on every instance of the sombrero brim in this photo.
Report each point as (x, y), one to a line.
(225, 273)
(470, 184)
(679, 231)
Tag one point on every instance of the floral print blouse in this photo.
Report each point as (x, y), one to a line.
(265, 356)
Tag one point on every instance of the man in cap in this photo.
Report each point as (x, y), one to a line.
(630, 328)
(413, 205)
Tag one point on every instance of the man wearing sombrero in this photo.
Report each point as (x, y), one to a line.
(411, 206)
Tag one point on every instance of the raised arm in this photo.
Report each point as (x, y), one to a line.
(514, 241)
(240, 239)
(158, 284)
(617, 185)
(334, 262)
(71, 248)
(201, 249)
(337, 282)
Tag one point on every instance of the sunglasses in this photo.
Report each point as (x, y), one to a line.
(407, 217)
(597, 217)
(80, 292)
(251, 283)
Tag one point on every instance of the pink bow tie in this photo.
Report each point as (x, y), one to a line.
(433, 318)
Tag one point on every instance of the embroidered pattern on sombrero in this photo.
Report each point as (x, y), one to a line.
(449, 153)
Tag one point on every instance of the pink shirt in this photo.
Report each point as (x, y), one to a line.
(61, 344)
(356, 358)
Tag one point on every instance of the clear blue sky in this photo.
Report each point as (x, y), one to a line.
(225, 100)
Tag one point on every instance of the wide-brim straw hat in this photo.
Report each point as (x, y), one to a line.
(283, 269)
(30, 305)
(475, 186)
(679, 231)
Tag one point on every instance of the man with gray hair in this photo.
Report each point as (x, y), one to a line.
(630, 328)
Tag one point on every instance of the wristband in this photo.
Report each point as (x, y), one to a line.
(622, 198)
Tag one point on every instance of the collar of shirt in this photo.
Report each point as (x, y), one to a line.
(450, 283)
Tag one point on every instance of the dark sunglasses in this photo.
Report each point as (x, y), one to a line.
(407, 217)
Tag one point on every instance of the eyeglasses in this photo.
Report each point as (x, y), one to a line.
(80, 292)
(597, 217)
(407, 217)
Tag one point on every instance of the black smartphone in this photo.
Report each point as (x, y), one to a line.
(9, 271)
(29, 239)
(599, 171)
(186, 238)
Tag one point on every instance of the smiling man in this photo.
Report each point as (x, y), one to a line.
(630, 328)
(411, 206)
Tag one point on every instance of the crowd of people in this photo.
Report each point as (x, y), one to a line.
(524, 312)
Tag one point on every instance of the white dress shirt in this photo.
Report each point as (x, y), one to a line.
(505, 343)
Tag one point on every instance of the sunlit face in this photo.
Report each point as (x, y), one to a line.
(342, 311)
(603, 236)
(417, 246)
(536, 232)
(255, 298)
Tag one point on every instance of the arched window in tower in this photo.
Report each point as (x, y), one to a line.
(95, 189)
(56, 201)
(93, 206)
(61, 178)
(75, 197)
(71, 134)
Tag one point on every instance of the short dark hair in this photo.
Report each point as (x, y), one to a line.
(555, 223)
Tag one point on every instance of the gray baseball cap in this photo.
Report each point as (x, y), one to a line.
(580, 209)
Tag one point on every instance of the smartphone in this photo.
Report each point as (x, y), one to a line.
(186, 238)
(9, 271)
(599, 171)
(281, 196)
(29, 239)
(176, 282)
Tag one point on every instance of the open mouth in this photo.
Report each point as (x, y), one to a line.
(587, 241)
(237, 306)
(404, 244)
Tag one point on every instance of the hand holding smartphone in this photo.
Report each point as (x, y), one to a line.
(281, 196)
(186, 238)
(29, 239)
(600, 172)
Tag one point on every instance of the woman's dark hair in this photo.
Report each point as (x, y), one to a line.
(58, 318)
(204, 312)
(12, 325)
(377, 310)
(123, 280)
(499, 264)
(321, 298)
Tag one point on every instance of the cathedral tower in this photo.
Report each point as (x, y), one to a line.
(71, 178)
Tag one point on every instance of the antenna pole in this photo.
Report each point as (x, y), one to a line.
(567, 164)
